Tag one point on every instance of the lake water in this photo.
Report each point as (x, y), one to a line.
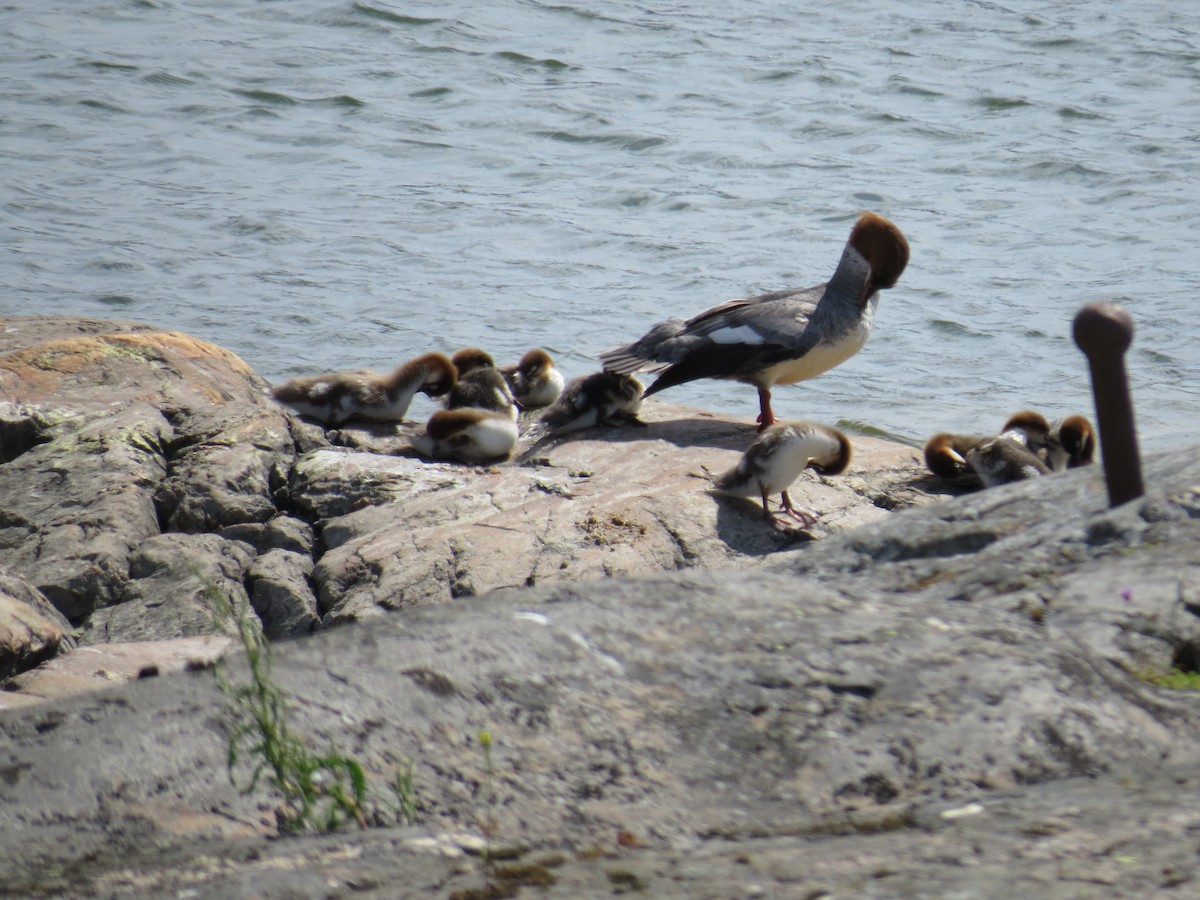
(322, 185)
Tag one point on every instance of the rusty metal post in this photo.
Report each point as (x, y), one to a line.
(1104, 332)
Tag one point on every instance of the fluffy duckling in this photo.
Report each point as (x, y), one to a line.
(1029, 429)
(777, 457)
(778, 338)
(480, 384)
(535, 381)
(601, 398)
(338, 397)
(1000, 460)
(468, 435)
(1071, 443)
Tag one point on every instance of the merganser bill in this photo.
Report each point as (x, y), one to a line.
(1071, 443)
(777, 457)
(337, 397)
(480, 384)
(535, 381)
(601, 398)
(467, 435)
(781, 337)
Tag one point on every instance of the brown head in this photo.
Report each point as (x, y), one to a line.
(1078, 439)
(1033, 424)
(440, 374)
(884, 248)
(534, 362)
(470, 358)
(837, 460)
(945, 455)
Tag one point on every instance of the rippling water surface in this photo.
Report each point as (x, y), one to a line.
(322, 185)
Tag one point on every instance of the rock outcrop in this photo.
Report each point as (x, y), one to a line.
(142, 468)
(957, 698)
(963, 697)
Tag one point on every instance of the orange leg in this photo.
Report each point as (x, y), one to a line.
(803, 516)
(766, 417)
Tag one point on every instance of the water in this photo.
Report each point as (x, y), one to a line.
(320, 185)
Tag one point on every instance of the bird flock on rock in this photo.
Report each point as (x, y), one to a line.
(781, 337)
(481, 402)
(1027, 446)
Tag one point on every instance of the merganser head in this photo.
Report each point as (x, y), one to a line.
(836, 461)
(1078, 439)
(884, 248)
(472, 358)
(440, 374)
(944, 455)
(534, 362)
(1032, 425)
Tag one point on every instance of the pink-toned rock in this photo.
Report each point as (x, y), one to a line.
(610, 501)
(103, 665)
(31, 629)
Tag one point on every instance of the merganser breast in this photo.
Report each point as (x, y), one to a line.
(780, 337)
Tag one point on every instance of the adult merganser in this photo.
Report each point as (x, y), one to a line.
(535, 381)
(480, 384)
(778, 338)
(1071, 443)
(777, 457)
(469, 435)
(337, 397)
(601, 398)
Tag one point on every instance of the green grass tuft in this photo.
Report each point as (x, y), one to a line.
(319, 792)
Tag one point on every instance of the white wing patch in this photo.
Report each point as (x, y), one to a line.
(742, 334)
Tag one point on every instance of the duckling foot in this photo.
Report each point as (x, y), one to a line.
(803, 516)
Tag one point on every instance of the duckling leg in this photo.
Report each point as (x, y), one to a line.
(766, 417)
(803, 516)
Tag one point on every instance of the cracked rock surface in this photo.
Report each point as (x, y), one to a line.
(956, 699)
(140, 468)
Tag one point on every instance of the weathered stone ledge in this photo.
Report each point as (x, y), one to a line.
(140, 468)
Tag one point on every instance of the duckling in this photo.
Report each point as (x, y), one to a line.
(469, 435)
(337, 397)
(999, 460)
(480, 384)
(777, 457)
(1071, 443)
(601, 398)
(1029, 429)
(535, 381)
